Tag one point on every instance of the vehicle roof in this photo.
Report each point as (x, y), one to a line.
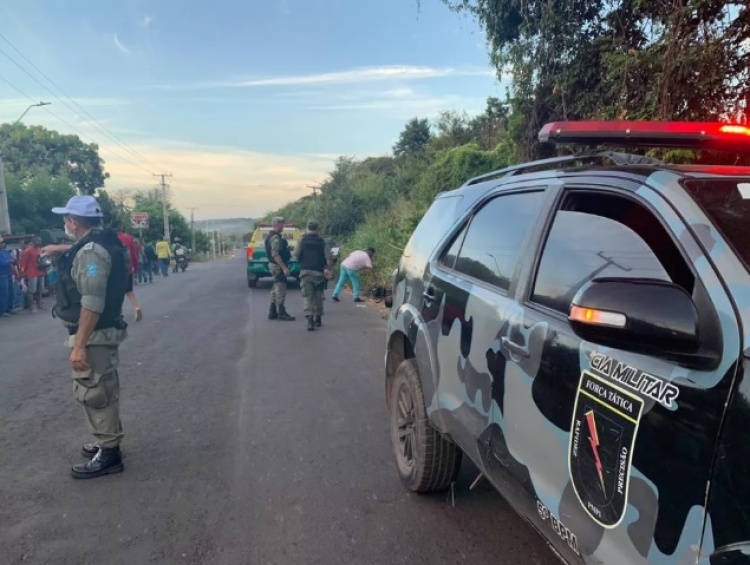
(473, 190)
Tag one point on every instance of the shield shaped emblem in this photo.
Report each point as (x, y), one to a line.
(602, 438)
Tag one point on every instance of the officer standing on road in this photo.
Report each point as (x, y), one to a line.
(314, 258)
(93, 276)
(277, 251)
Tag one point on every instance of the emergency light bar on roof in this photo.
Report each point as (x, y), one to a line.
(687, 135)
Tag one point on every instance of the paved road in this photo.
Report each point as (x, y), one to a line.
(247, 442)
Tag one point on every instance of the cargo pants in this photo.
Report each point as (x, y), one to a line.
(97, 389)
(311, 288)
(278, 288)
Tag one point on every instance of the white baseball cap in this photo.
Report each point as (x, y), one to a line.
(82, 206)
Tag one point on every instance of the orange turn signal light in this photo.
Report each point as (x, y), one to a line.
(597, 317)
(735, 129)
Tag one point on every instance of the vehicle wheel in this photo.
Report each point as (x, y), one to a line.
(252, 283)
(426, 461)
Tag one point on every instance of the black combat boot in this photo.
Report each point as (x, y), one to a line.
(107, 460)
(272, 313)
(318, 321)
(284, 315)
(310, 323)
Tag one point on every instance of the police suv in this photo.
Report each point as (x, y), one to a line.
(579, 328)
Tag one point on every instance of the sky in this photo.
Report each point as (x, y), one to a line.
(245, 102)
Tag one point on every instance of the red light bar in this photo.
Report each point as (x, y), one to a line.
(689, 135)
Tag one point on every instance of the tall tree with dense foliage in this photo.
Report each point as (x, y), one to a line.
(413, 139)
(30, 201)
(27, 151)
(608, 59)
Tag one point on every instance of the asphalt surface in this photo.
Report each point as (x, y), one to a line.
(246, 442)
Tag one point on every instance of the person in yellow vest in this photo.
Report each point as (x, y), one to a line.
(163, 254)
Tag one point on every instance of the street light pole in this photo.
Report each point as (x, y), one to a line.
(192, 226)
(4, 212)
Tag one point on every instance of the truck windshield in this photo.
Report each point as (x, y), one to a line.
(727, 203)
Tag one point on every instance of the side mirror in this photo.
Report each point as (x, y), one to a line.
(641, 315)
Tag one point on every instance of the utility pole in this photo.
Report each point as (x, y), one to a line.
(315, 194)
(4, 212)
(164, 186)
(192, 227)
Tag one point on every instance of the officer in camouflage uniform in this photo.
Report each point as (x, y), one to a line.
(93, 275)
(277, 251)
(314, 257)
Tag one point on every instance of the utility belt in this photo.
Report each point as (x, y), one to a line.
(118, 324)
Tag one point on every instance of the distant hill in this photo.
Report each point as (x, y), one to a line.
(236, 226)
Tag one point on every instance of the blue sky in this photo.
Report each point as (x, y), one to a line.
(245, 102)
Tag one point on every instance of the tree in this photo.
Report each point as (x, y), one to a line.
(31, 199)
(29, 150)
(589, 59)
(150, 201)
(413, 138)
(489, 127)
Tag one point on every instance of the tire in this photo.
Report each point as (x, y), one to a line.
(426, 461)
(252, 283)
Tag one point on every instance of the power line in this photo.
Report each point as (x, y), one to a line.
(83, 135)
(92, 121)
(59, 88)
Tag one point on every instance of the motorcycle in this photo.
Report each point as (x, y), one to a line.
(180, 260)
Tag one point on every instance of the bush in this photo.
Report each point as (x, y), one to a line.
(387, 233)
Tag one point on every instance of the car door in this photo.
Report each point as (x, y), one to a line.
(466, 299)
(614, 448)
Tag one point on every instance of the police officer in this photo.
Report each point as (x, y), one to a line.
(93, 275)
(314, 258)
(277, 251)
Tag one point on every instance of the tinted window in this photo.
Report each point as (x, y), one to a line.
(449, 256)
(727, 204)
(493, 241)
(604, 236)
(431, 229)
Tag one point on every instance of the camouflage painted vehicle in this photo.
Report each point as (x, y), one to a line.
(578, 327)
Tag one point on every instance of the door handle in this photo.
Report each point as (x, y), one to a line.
(429, 294)
(515, 349)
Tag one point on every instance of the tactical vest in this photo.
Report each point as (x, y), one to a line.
(312, 254)
(68, 305)
(284, 252)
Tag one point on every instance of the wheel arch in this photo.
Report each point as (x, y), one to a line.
(400, 348)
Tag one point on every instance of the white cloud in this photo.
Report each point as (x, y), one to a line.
(120, 46)
(146, 21)
(399, 93)
(350, 76)
(401, 103)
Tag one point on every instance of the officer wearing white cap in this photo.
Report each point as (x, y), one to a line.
(91, 287)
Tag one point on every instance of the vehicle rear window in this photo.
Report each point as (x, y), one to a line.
(727, 204)
(432, 227)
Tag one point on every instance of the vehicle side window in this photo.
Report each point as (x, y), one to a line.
(602, 235)
(432, 227)
(492, 245)
(448, 259)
